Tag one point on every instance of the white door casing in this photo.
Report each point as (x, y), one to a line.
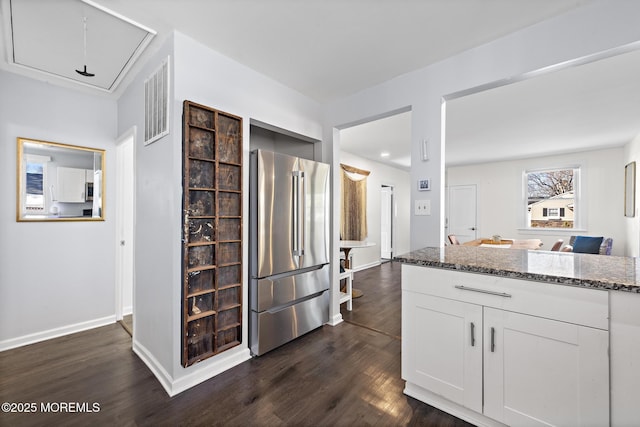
(125, 216)
(386, 222)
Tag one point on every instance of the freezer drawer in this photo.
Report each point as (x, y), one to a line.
(273, 292)
(272, 329)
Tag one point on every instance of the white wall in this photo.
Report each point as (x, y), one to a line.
(39, 110)
(381, 174)
(208, 78)
(632, 225)
(55, 278)
(596, 27)
(268, 140)
(500, 195)
(551, 42)
(157, 268)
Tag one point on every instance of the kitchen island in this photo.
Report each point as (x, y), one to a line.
(521, 337)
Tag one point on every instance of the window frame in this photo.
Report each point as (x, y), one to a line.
(579, 212)
(44, 161)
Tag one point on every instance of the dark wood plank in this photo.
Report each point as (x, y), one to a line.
(345, 375)
(379, 307)
(127, 324)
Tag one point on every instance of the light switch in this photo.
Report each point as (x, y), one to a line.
(422, 207)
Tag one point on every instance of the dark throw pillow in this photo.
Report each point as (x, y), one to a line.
(587, 245)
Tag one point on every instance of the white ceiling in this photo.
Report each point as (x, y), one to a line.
(586, 107)
(327, 49)
(391, 135)
(61, 38)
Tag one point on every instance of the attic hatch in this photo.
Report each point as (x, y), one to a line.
(47, 37)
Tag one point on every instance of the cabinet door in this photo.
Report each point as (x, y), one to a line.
(70, 185)
(442, 347)
(544, 372)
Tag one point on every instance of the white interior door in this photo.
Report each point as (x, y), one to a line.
(386, 222)
(462, 213)
(125, 193)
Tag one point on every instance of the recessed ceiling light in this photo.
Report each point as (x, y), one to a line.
(384, 154)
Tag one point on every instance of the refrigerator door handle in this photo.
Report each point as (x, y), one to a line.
(302, 203)
(297, 215)
(294, 214)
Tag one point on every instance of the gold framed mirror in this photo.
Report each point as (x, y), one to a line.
(59, 182)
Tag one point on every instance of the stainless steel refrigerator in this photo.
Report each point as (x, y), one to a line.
(289, 248)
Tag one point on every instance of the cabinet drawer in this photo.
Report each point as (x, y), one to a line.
(588, 307)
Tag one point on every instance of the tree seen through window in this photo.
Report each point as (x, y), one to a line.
(551, 198)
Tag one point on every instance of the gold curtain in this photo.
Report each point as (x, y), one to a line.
(353, 203)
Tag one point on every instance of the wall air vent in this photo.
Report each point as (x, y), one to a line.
(156, 104)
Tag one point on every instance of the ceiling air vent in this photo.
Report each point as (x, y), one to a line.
(156, 104)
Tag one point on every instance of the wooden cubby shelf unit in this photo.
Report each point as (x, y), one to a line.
(211, 232)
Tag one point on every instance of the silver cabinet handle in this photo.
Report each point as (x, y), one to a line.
(473, 335)
(482, 291)
(493, 339)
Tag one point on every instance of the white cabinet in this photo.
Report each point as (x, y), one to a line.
(71, 185)
(442, 347)
(541, 372)
(467, 350)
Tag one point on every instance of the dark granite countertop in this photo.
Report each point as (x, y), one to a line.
(564, 268)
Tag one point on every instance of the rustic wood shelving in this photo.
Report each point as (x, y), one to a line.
(212, 232)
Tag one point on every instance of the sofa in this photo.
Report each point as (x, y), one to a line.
(589, 245)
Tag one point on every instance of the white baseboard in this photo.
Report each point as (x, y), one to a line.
(335, 320)
(197, 373)
(127, 310)
(152, 363)
(365, 266)
(210, 368)
(55, 333)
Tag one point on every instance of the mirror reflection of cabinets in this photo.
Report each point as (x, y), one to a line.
(59, 182)
(75, 185)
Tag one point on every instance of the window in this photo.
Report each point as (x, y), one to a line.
(552, 198)
(553, 213)
(35, 183)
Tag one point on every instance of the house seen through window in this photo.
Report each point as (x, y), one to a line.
(551, 198)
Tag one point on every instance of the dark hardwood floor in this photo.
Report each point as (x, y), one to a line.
(127, 323)
(347, 375)
(379, 307)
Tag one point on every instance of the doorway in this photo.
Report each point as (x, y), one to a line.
(386, 222)
(125, 214)
(462, 215)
